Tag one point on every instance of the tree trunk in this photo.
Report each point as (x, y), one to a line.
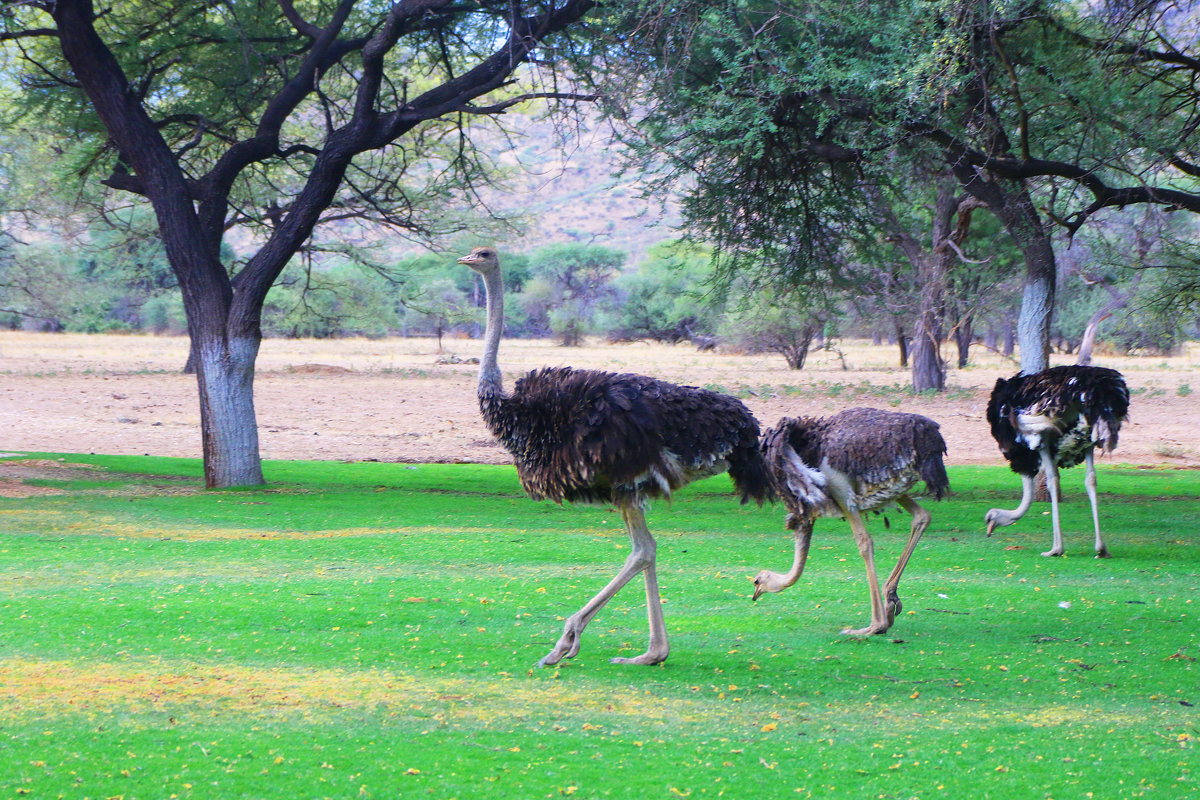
(964, 334)
(1037, 307)
(928, 372)
(228, 423)
(1089, 337)
(1010, 201)
(795, 351)
(1015, 209)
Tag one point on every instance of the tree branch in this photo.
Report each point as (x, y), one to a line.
(501, 107)
(302, 26)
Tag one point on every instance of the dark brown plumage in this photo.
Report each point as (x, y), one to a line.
(842, 466)
(1051, 419)
(602, 437)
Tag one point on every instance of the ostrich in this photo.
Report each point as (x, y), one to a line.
(1051, 419)
(619, 439)
(841, 466)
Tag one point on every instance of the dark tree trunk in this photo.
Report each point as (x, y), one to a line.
(795, 351)
(933, 266)
(950, 225)
(928, 372)
(964, 334)
(902, 344)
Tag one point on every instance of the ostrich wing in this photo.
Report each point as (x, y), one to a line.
(878, 448)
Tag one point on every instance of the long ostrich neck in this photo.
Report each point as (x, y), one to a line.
(1009, 517)
(491, 383)
(802, 536)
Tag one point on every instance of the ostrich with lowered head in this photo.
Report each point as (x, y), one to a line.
(619, 439)
(1056, 418)
(841, 466)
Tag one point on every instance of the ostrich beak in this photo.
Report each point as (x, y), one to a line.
(467, 260)
(991, 526)
(758, 590)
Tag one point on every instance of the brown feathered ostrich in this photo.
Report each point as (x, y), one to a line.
(601, 437)
(843, 466)
(1056, 418)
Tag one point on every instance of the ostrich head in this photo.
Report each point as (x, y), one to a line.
(482, 259)
(998, 518)
(770, 582)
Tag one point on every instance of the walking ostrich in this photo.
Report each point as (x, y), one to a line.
(841, 466)
(1051, 419)
(600, 437)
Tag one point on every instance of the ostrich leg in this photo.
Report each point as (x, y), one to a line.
(1089, 483)
(920, 522)
(1051, 473)
(640, 559)
(866, 547)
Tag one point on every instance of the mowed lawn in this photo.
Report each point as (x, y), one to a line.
(371, 630)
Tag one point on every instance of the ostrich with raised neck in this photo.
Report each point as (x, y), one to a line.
(619, 439)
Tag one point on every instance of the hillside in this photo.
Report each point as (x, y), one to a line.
(565, 184)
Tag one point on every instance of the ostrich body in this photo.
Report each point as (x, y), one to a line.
(1056, 418)
(619, 439)
(841, 466)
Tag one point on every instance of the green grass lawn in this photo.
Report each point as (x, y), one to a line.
(371, 630)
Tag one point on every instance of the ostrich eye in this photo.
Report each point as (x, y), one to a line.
(486, 253)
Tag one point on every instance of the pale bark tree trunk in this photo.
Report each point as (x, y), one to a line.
(228, 423)
(1037, 307)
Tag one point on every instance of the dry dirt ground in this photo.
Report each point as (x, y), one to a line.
(401, 400)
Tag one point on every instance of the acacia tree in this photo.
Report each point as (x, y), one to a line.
(568, 283)
(770, 114)
(933, 260)
(277, 115)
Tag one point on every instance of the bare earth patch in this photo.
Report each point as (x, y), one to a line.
(400, 400)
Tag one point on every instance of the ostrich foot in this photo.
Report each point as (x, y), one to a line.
(1103, 553)
(552, 658)
(566, 647)
(892, 607)
(647, 659)
(870, 630)
(1054, 552)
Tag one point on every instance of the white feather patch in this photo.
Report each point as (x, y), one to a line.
(806, 483)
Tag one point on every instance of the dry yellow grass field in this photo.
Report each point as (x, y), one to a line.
(401, 400)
